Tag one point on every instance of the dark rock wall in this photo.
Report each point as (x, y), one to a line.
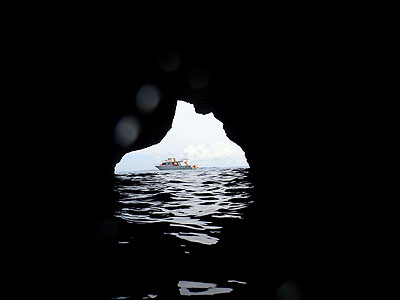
(70, 82)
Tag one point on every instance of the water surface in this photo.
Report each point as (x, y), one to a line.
(181, 232)
(191, 202)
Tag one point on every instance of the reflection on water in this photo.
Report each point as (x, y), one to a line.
(191, 202)
(193, 288)
(180, 233)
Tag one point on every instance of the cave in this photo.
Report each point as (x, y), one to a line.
(200, 138)
(69, 83)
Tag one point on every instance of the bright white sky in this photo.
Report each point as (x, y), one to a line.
(201, 138)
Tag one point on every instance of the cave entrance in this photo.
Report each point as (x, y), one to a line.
(200, 138)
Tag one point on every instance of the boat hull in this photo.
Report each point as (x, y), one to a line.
(170, 168)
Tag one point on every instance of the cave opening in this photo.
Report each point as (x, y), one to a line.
(182, 224)
(197, 137)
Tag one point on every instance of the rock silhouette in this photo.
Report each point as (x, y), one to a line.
(82, 92)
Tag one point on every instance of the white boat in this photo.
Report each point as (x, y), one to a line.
(175, 164)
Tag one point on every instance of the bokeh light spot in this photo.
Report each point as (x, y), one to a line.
(170, 59)
(198, 77)
(147, 98)
(127, 131)
(288, 291)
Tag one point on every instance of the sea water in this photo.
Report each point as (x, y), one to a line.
(181, 233)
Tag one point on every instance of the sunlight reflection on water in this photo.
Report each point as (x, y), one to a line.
(192, 202)
(194, 288)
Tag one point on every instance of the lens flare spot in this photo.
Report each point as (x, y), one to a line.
(147, 98)
(127, 131)
(169, 59)
(198, 77)
(288, 291)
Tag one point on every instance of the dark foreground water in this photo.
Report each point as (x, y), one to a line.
(182, 234)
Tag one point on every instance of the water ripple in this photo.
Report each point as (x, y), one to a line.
(192, 202)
